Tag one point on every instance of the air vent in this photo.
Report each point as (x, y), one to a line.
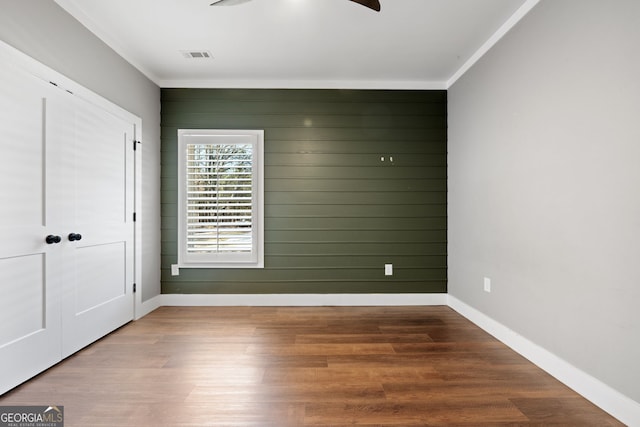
(196, 54)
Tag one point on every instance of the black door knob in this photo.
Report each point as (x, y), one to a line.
(75, 236)
(51, 239)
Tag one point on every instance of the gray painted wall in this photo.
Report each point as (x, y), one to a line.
(44, 31)
(544, 174)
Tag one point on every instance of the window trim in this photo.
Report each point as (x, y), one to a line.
(256, 138)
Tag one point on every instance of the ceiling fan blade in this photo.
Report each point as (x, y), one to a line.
(227, 2)
(371, 4)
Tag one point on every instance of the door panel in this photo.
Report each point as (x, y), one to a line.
(99, 291)
(101, 166)
(30, 332)
(21, 162)
(98, 297)
(100, 275)
(22, 308)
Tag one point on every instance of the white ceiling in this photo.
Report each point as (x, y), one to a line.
(410, 44)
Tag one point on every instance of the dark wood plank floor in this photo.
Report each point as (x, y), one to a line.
(321, 366)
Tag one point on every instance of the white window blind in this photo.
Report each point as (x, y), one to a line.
(221, 198)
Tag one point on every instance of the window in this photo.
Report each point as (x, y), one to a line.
(220, 216)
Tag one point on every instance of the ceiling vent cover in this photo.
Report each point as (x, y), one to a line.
(196, 54)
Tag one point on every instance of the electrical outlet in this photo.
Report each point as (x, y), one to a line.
(487, 284)
(175, 270)
(388, 269)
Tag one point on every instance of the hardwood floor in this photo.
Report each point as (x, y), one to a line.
(320, 366)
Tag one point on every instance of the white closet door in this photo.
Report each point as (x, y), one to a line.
(67, 173)
(30, 269)
(98, 285)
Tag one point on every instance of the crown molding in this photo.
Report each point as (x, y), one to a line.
(504, 29)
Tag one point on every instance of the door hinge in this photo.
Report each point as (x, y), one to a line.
(134, 288)
(134, 217)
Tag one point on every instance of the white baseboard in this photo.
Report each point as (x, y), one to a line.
(285, 300)
(146, 307)
(618, 405)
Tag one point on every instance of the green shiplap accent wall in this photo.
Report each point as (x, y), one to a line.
(334, 212)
